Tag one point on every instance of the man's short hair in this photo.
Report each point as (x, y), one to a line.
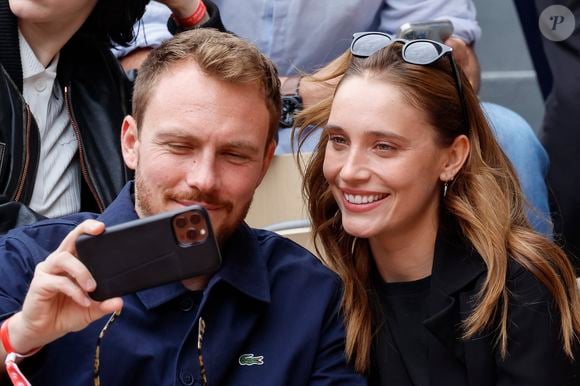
(220, 55)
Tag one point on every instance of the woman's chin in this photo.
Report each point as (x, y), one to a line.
(363, 231)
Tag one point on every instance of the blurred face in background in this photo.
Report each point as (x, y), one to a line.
(63, 12)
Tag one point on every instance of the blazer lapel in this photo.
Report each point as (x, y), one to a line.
(456, 267)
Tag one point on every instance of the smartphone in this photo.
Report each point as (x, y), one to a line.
(438, 30)
(151, 251)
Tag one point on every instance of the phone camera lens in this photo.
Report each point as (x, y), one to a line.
(191, 234)
(180, 222)
(195, 218)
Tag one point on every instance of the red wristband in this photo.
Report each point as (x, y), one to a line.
(194, 19)
(6, 341)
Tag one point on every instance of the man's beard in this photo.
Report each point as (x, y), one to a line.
(222, 234)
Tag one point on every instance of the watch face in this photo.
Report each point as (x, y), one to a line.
(291, 104)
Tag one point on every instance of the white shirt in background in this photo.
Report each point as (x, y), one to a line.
(57, 189)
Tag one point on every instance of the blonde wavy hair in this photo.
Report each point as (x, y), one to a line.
(485, 198)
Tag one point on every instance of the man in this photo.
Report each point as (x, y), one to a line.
(206, 106)
(63, 97)
(304, 35)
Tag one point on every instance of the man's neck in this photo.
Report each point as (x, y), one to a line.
(47, 39)
(196, 283)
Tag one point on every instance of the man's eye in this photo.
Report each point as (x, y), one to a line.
(384, 146)
(237, 157)
(178, 147)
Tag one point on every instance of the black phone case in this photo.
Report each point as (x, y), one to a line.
(146, 253)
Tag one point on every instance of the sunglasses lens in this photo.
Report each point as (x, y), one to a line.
(422, 53)
(366, 45)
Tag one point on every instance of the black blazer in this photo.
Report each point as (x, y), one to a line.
(535, 355)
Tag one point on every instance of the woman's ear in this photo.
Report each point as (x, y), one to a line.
(457, 154)
(130, 142)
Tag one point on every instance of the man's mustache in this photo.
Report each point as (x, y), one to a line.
(209, 199)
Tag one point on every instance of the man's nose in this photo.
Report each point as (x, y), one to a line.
(202, 172)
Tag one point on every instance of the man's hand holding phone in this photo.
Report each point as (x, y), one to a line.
(466, 59)
(57, 301)
(441, 31)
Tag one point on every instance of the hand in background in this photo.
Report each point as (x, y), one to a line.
(181, 8)
(466, 58)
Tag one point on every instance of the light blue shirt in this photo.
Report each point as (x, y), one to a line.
(306, 34)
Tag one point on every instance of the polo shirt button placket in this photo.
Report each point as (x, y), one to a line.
(186, 378)
(186, 304)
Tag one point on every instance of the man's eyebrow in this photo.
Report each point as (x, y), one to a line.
(174, 134)
(242, 145)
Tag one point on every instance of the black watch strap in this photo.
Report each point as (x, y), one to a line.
(291, 100)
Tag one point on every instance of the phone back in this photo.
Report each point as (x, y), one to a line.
(438, 30)
(149, 252)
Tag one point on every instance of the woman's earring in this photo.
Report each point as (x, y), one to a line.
(445, 187)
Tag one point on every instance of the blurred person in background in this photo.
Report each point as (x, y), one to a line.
(63, 97)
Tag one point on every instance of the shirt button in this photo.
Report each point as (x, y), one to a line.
(40, 85)
(186, 304)
(186, 378)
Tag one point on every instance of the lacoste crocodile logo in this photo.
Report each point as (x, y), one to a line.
(251, 360)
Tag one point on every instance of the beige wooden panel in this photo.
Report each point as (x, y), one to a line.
(302, 236)
(279, 197)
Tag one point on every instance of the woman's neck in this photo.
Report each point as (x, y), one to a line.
(47, 39)
(406, 256)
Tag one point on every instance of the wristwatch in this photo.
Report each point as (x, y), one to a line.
(291, 100)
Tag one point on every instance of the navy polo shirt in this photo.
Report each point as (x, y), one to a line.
(271, 314)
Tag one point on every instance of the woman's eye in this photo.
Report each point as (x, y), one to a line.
(337, 139)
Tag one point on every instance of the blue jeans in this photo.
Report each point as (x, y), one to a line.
(529, 158)
(520, 144)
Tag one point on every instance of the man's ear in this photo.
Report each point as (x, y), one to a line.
(457, 154)
(268, 156)
(130, 142)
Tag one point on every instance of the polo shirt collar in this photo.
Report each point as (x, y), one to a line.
(244, 264)
(243, 260)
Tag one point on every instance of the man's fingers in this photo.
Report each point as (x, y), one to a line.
(99, 309)
(91, 227)
(459, 50)
(60, 263)
(48, 285)
(110, 305)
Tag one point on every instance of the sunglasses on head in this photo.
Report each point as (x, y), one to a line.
(421, 52)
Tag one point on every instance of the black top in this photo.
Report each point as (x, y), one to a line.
(401, 347)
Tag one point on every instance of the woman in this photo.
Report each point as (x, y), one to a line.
(420, 213)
